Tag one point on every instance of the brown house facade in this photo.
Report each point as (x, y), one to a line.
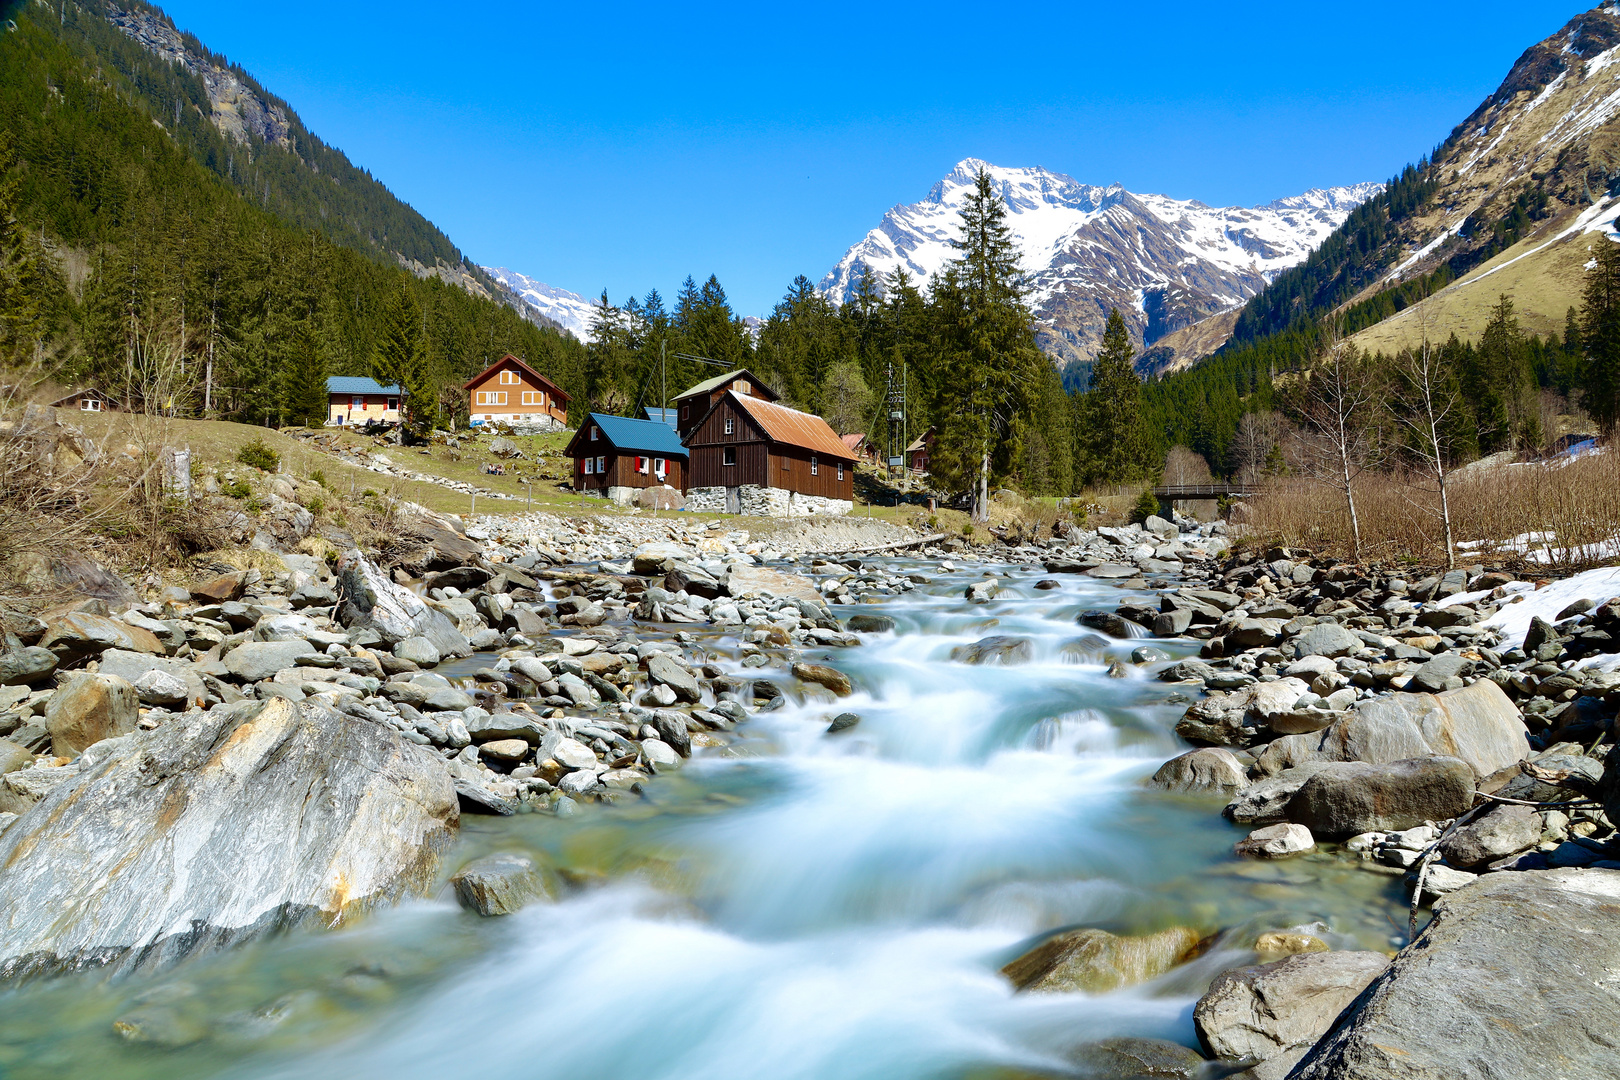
(614, 455)
(693, 404)
(510, 391)
(752, 456)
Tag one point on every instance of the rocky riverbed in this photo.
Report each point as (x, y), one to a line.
(938, 761)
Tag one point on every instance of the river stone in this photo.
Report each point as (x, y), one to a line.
(1477, 723)
(90, 708)
(1111, 571)
(1265, 802)
(448, 699)
(26, 666)
(216, 828)
(843, 722)
(1253, 634)
(672, 729)
(161, 688)
(573, 754)
(487, 727)
(660, 753)
(79, 635)
(1137, 1059)
(1002, 650)
(1351, 797)
(872, 624)
(368, 600)
(508, 751)
(665, 671)
(1435, 675)
(498, 884)
(252, 661)
(1328, 639)
(1271, 700)
(131, 666)
(1275, 1012)
(831, 678)
(578, 782)
(1514, 977)
(22, 789)
(657, 558)
(1276, 842)
(418, 650)
(1096, 961)
(1504, 830)
(1213, 770)
(14, 756)
(754, 580)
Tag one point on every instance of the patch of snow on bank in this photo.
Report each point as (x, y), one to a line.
(1595, 585)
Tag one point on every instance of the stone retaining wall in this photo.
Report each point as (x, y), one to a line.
(756, 501)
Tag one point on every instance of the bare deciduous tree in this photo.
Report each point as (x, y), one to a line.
(1184, 467)
(1422, 400)
(1259, 436)
(1338, 403)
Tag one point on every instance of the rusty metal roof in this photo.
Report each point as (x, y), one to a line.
(784, 425)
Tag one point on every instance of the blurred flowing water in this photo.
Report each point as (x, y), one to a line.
(797, 906)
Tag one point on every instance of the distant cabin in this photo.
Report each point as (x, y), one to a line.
(512, 392)
(747, 442)
(353, 399)
(859, 446)
(616, 452)
(87, 399)
(662, 416)
(695, 403)
(918, 453)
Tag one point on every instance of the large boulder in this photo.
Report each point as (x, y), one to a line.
(26, 666)
(216, 828)
(1326, 639)
(1210, 770)
(88, 709)
(1095, 961)
(132, 667)
(368, 600)
(1265, 802)
(1504, 830)
(79, 635)
(1275, 1012)
(498, 884)
(252, 661)
(756, 580)
(1351, 797)
(1476, 723)
(1513, 978)
(431, 541)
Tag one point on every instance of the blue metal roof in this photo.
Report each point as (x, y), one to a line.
(649, 436)
(660, 416)
(357, 384)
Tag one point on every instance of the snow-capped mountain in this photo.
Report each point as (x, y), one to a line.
(569, 310)
(1164, 263)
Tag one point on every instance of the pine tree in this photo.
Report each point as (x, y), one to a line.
(1118, 453)
(1600, 338)
(400, 358)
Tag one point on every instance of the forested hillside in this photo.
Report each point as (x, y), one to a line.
(177, 266)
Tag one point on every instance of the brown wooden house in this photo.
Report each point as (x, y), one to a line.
(618, 452)
(88, 399)
(510, 391)
(747, 442)
(692, 405)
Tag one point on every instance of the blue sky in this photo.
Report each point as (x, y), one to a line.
(627, 146)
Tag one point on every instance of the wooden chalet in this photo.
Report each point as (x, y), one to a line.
(618, 452)
(694, 404)
(860, 446)
(87, 399)
(512, 392)
(746, 440)
(355, 399)
(918, 453)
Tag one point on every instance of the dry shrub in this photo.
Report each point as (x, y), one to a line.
(1563, 515)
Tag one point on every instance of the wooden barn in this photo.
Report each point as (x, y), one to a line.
(355, 399)
(749, 455)
(694, 404)
(87, 399)
(510, 391)
(616, 452)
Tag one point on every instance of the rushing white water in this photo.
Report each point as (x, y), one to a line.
(808, 906)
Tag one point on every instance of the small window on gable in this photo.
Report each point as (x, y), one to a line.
(686, 410)
(594, 430)
(731, 425)
(509, 378)
(813, 465)
(728, 455)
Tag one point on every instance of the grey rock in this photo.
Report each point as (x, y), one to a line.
(1253, 634)
(1512, 978)
(498, 884)
(672, 729)
(1435, 675)
(1210, 770)
(1265, 802)
(1504, 830)
(665, 671)
(418, 650)
(871, 624)
(448, 699)
(1274, 1013)
(1351, 797)
(368, 600)
(26, 666)
(1112, 571)
(21, 790)
(88, 709)
(252, 661)
(573, 754)
(1137, 1059)
(1326, 639)
(1001, 650)
(131, 666)
(225, 826)
(1276, 842)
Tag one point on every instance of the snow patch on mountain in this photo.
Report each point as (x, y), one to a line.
(569, 310)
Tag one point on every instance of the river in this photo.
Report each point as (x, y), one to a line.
(795, 906)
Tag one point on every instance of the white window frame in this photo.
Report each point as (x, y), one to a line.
(660, 467)
(532, 397)
(601, 464)
(511, 378)
(89, 405)
(595, 431)
(590, 466)
(840, 470)
(728, 452)
(813, 465)
(643, 465)
(731, 425)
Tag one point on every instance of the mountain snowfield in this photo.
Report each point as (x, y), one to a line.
(1164, 263)
(569, 310)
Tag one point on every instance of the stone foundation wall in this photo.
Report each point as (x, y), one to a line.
(624, 496)
(759, 501)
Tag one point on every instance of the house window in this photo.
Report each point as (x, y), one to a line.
(510, 378)
(89, 405)
(601, 465)
(741, 386)
(812, 465)
(594, 431)
(393, 404)
(590, 466)
(642, 464)
(731, 425)
(357, 403)
(685, 411)
(532, 397)
(728, 455)
(840, 470)
(659, 466)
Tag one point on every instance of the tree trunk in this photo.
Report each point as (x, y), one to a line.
(981, 510)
